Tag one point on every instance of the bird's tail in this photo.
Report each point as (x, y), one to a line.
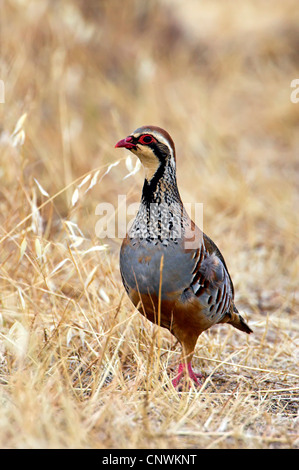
(235, 319)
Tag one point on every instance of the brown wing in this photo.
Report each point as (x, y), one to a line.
(211, 283)
(211, 247)
(230, 312)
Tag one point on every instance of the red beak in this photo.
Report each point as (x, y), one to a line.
(126, 143)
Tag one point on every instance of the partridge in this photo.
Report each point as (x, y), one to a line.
(173, 273)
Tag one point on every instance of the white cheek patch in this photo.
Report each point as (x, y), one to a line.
(148, 159)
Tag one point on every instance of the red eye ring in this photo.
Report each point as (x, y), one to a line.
(146, 139)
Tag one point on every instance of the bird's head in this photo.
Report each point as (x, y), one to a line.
(153, 146)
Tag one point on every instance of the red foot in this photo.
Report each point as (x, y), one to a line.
(193, 376)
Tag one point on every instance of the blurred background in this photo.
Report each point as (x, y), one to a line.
(217, 76)
(79, 76)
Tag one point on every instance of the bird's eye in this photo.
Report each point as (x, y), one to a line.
(146, 139)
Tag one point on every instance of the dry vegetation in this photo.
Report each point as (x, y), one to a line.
(78, 366)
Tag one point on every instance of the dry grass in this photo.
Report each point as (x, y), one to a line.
(78, 366)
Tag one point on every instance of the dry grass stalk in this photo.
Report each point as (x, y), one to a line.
(78, 366)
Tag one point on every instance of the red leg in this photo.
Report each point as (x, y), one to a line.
(193, 376)
(177, 379)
